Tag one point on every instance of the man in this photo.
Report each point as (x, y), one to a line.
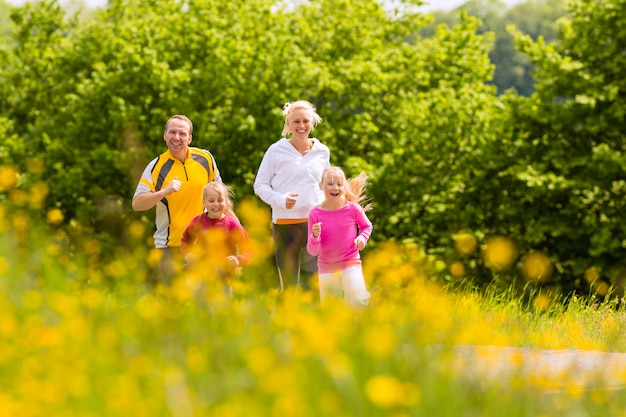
(173, 182)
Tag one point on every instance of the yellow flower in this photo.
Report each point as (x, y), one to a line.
(537, 267)
(4, 265)
(499, 252)
(541, 302)
(385, 391)
(457, 269)
(136, 229)
(8, 177)
(195, 359)
(592, 274)
(93, 247)
(38, 194)
(55, 216)
(18, 197)
(261, 359)
(601, 288)
(20, 222)
(465, 243)
(380, 341)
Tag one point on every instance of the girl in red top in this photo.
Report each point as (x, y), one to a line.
(215, 240)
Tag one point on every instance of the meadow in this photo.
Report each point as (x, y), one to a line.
(86, 333)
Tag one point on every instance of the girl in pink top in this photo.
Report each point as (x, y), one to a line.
(338, 230)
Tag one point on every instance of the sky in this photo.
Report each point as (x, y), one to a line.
(451, 4)
(432, 4)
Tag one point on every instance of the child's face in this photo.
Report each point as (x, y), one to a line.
(214, 203)
(333, 187)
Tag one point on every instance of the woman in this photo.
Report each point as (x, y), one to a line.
(288, 181)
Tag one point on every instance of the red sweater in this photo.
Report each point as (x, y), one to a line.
(217, 239)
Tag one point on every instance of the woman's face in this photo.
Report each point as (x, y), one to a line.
(300, 123)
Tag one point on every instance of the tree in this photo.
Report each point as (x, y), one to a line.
(533, 17)
(417, 113)
(564, 166)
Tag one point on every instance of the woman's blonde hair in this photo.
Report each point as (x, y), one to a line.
(288, 108)
(355, 187)
(226, 191)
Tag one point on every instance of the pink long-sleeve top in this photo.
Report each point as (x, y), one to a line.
(335, 246)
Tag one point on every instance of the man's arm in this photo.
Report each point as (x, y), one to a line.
(145, 201)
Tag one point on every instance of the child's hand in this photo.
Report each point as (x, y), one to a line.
(190, 259)
(359, 242)
(232, 261)
(316, 229)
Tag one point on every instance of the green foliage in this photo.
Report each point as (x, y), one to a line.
(83, 103)
(565, 170)
(383, 93)
(536, 18)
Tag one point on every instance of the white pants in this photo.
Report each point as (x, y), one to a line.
(348, 283)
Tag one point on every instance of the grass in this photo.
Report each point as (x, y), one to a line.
(87, 337)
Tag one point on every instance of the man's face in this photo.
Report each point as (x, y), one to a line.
(177, 137)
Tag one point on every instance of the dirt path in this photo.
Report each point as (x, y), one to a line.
(546, 369)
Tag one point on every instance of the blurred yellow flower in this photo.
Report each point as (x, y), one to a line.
(3, 217)
(32, 299)
(35, 165)
(154, 257)
(592, 274)
(4, 265)
(385, 391)
(53, 249)
(8, 177)
(93, 247)
(8, 325)
(261, 359)
(117, 268)
(18, 197)
(457, 269)
(465, 243)
(541, 302)
(49, 336)
(20, 222)
(380, 341)
(136, 229)
(38, 193)
(601, 287)
(196, 360)
(107, 336)
(149, 307)
(92, 299)
(499, 252)
(537, 267)
(55, 216)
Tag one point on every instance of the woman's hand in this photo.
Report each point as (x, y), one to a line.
(291, 200)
